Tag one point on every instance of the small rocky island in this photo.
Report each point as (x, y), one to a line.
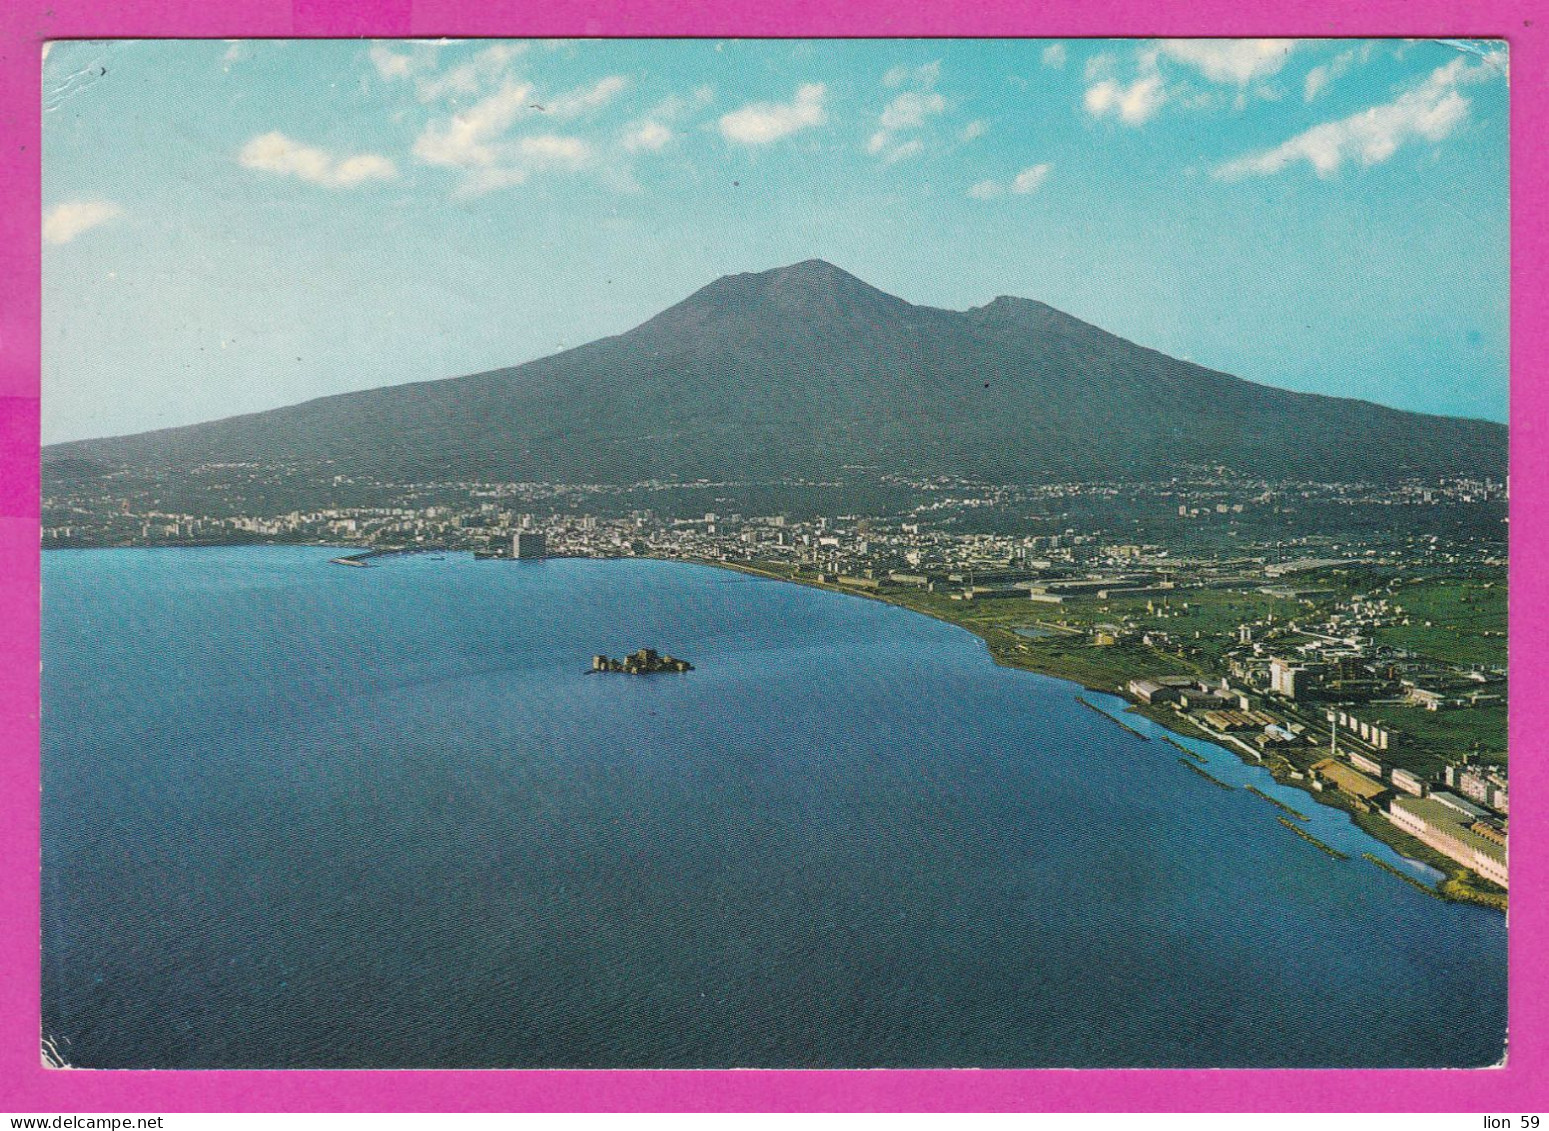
(644, 662)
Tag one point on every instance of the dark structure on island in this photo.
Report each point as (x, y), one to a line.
(644, 662)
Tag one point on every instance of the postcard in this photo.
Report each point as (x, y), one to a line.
(682, 553)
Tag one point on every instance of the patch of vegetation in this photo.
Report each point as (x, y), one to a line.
(1466, 887)
(1454, 620)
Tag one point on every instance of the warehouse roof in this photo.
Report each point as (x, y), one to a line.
(1350, 780)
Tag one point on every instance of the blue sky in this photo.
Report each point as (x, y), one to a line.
(235, 226)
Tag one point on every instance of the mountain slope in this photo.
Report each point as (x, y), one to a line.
(805, 370)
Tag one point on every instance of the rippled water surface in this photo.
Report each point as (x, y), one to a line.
(298, 814)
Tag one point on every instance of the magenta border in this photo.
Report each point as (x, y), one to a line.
(25, 1086)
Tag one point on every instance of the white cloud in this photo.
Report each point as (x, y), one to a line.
(1028, 180)
(925, 76)
(587, 98)
(389, 64)
(1238, 61)
(764, 122)
(975, 129)
(647, 137)
(654, 131)
(1135, 100)
(676, 106)
(1428, 112)
(1134, 105)
(1317, 81)
(64, 222)
(477, 142)
(462, 79)
(275, 153)
(487, 70)
(467, 140)
(481, 181)
(552, 151)
(910, 109)
(906, 113)
(904, 150)
(1319, 78)
(1098, 66)
(1054, 56)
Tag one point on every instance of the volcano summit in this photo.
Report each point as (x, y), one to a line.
(799, 372)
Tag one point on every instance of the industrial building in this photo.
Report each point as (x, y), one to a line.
(1472, 843)
(1161, 689)
(1408, 782)
(1348, 780)
(1362, 762)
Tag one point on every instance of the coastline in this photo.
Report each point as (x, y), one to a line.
(1457, 884)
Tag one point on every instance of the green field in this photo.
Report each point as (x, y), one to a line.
(1427, 739)
(1453, 620)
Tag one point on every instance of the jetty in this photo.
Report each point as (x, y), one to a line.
(1312, 840)
(1195, 754)
(1277, 803)
(1090, 706)
(1211, 778)
(1403, 875)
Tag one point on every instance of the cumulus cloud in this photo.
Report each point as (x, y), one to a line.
(1233, 61)
(588, 98)
(1155, 76)
(478, 142)
(765, 122)
(1027, 181)
(1054, 56)
(64, 222)
(1430, 111)
(486, 71)
(975, 129)
(467, 140)
(551, 151)
(1134, 105)
(275, 153)
(920, 76)
(1320, 77)
(910, 110)
(655, 130)
(389, 64)
(460, 80)
(646, 137)
(906, 113)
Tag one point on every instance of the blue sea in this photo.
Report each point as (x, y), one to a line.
(297, 814)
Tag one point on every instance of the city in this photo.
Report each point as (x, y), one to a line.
(1369, 668)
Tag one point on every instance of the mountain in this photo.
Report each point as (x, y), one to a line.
(804, 371)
